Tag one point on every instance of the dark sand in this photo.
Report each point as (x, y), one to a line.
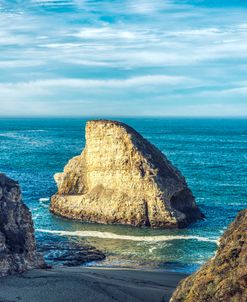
(89, 285)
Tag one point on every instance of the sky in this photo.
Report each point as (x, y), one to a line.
(123, 58)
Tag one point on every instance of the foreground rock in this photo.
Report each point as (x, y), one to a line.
(17, 244)
(223, 278)
(121, 178)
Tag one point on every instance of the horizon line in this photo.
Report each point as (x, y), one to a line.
(126, 116)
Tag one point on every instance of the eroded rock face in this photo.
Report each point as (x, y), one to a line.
(17, 244)
(224, 277)
(121, 178)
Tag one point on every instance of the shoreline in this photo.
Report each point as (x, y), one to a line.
(90, 284)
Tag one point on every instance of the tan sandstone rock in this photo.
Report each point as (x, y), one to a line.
(121, 178)
(224, 277)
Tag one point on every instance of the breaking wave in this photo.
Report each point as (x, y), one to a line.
(108, 235)
(44, 199)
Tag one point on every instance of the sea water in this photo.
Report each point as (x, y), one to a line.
(211, 154)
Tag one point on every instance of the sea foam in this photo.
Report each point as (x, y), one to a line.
(108, 235)
(44, 199)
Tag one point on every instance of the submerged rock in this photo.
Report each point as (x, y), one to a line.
(122, 178)
(224, 277)
(69, 253)
(17, 243)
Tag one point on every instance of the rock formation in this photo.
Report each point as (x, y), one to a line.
(69, 253)
(121, 178)
(17, 244)
(224, 277)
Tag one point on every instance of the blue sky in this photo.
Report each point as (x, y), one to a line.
(123, 57)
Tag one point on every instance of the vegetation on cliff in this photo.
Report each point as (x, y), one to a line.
(224, 277)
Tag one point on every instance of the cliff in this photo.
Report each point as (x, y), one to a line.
(122, 178)
(17, 244)
(224, 277)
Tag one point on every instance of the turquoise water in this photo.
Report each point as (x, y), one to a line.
(211, 153)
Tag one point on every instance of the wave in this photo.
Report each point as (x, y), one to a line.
(44, 199)
(53, 3)
(20, 134)
(10, 135)
(108, 235)
(35, 130)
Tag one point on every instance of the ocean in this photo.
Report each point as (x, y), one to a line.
(211, 154)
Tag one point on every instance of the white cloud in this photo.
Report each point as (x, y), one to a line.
(201, 32)
(41, 86)
(132, 46)
(20, 63)
(130, 50)
(237, 91)
(144, 7)
(104, 33)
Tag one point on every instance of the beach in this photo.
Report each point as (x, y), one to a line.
(89, 285)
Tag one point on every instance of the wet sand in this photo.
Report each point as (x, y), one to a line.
(89, 285)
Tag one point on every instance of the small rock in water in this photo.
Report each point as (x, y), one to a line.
(69, 253)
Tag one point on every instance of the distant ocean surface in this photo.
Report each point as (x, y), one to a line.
(211, 153)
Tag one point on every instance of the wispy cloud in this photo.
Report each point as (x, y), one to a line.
(88, 52)
(57, 86)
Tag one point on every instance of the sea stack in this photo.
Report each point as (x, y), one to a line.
(224, 277)
(121, 178)
(17, 243)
